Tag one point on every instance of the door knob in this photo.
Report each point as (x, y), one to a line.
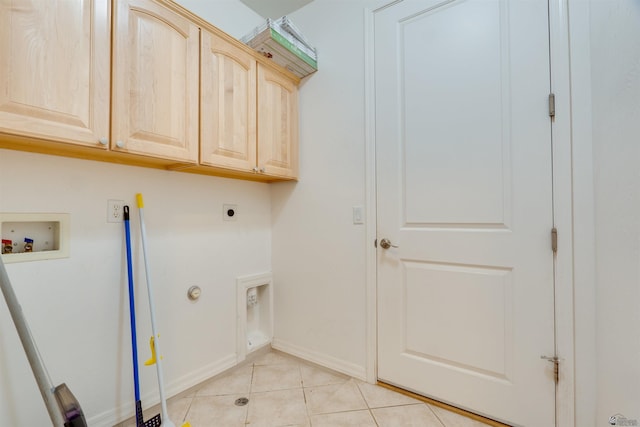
(386, 244)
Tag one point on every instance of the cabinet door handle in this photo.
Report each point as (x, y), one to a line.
(262, 170)
(120, 144)
(103, 141)
(255, 169)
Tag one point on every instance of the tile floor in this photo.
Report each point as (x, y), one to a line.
(285, 391)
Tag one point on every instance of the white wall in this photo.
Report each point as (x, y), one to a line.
(231, 16)
(318, 253)
(615, 54)
(77, 308)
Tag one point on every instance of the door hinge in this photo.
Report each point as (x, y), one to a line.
(554, 240)
(552, 105)
(556, 366)
(375, 243)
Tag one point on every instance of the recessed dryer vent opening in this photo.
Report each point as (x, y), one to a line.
(255, 313)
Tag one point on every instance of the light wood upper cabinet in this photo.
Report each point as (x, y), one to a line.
(249, 113)
(54, 70)
(277, 124)
(146, 82)
(228, 105)
(155, 81)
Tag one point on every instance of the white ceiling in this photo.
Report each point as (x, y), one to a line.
(275, 8)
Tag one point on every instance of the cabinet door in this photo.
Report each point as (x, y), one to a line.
(228, 105)
(155, 78)
(54, 70)
(277, 124)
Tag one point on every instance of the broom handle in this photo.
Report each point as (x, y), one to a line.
(156, 340)
(132, 306)
(29, 345)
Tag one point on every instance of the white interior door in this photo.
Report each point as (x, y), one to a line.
(464, 190)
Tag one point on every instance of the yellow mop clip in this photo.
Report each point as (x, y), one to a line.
(151, 361)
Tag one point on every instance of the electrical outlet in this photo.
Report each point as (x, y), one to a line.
(115, 210)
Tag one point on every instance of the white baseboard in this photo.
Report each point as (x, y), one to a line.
(114, 416)
(348, 368)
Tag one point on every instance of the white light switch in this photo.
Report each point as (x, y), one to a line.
(358, 215)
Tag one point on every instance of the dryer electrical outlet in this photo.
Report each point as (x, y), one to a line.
(229, 212)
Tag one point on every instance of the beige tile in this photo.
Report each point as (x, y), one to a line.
(178, 408)
(276, 358)
(378, 397)
(275, 377)
(209, 411)
(277, 408)
(451, 419)
(236, 382)
(406, 416)
(352, 418)
(334, 398)
(189, 394)
(313, 376)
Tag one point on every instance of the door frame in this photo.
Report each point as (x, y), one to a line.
(570, 121)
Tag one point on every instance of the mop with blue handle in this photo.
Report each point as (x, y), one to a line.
(156, 355)
(155, 421)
